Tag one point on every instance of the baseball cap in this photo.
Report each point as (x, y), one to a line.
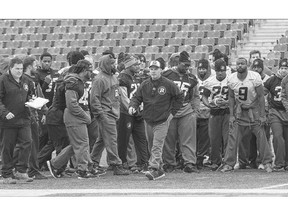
(203, 63)
(154, 64)
(220, 65)
(283, 63)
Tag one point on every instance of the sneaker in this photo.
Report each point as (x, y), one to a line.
(135, 169)
(278, 168)
(168, 168)
(37, 176)
(144, 168)
(9, 180)
(83, 174)
(199, 163)
(190, 168)
(268, 167)
(97, 172)
(155, 174)
(226, 168)
(214, 167)
(23, 176)
(253, 165)
(52, 170)
(261, 167)
(119, 170)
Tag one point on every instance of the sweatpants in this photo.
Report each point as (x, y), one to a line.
(184, 130)
(203, 140)
(23, 138)
(218, 133)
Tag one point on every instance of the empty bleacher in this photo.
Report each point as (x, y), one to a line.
(153, 37)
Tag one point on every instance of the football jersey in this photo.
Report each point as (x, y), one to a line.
(244, 90)
(204, 110)
(84, 100)
(214, 89)
(273, 85)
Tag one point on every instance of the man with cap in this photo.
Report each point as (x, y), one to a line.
(131, 124)
(203, 141)
(161, 99)
(258, 67)
(247, 110)
(278, 116)
(105, 107)
(215, 96)
(183, 125)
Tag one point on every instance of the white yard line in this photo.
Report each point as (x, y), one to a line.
(274, 186)
(139, 192)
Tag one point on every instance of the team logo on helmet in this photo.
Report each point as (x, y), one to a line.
(25, 86)
(162, 90)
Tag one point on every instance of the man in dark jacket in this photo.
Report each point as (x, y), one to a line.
(161, 99)
(15, 91)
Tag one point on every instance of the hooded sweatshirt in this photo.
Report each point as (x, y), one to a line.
(104, 97)
(75, 113)
(204, 111)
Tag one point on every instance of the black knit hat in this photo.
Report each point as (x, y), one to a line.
(185, 58)
(162, 62)
(258, 63)
(283, 63)
(220, 65)
(203, 63)
(74, 57)
(109, 52)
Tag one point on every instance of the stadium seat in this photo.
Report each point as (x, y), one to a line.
(1, 30)
(146, 21)
(142, 42)
(100, 36)
(237, 26)
(220, 27)
(186, 48)
(210, 21)
(126, 42)
(119, 49)
(171, 28)
(77, 43)
(43, 30)
(191, 41)
(98, 22)
(60, 43)
(84, 36)
(193, 21)
(286, 54)
(93, 43)
(13, 44)
(116, 35)
(102, 49)
(6, 51)
(35, 23)
(45, 43)
(50, 23)
(1, 44)
(188, 28)
(283, 40)
(67, 50)
(181, 34)
(130, 21)
(4, 37)
(230, 34)
(133, 35)
(149, 34)
(60, 29)
(280, 47)
(107, 28)
(75, 29)
(28, 44)
(20, 23)
(158, 42)
(52, 37)
(56, 65)
(196, 56)
(5, 23)
(221, 47)
(214, 34)
(226, 21)
(155, 28)
(91, 29)
(197, 34)
(97, 56)
(177, 21)
(164, 34)
(22, 50)
(61, 57)
(54, 50)
(12, 31)
(205, 27)
(123, 28)
(271, 63)
(115, 22)
(168, 49)
(139, 28)
(109, 43)
(165, 56)
(175, 41)
(225, 41)
(69, 36)
(161, 21)
(37, 51)
(20, 37)
(82, 22)
(66, 22)
(135, 49)
(148, 56)
(152, 49)
(201, 49)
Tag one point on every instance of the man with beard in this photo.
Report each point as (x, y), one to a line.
(247, 110)
(183, 125)
(131, 124)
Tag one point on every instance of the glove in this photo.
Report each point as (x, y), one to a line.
(131, 110)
